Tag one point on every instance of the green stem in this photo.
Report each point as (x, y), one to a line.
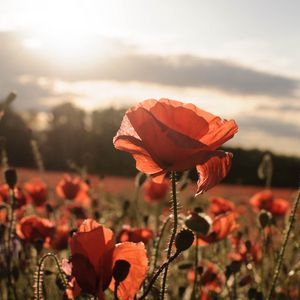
(175, 222)
(284, 244)
(39, 279)
(195, 292)
(116, 290)
(164, 225)
(158, 272)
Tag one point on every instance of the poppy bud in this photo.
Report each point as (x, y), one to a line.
(10, 177)
(248, 245)
(140, 178)
(264, 218)
(198, 222)
(184, 240)
(120, 270)
(245, 280)
(235, 266)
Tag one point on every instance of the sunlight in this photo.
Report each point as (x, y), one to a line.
(61, 30)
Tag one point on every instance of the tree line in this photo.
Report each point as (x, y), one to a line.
(74, 137)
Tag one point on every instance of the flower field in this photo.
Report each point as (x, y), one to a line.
(158, 235)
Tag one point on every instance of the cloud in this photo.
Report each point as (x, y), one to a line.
(270, 126)
(129, 65)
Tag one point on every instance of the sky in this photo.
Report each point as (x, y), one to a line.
(237, 59)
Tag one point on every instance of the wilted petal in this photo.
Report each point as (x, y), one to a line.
(135, 254)
(213, 170)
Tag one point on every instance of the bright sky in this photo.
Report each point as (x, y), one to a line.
(238, 59)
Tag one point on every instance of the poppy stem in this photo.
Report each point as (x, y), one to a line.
(284, 244)
(158, 272)
(39, 275)
(195, 293)
(157, 244)
(9, 250)
(116, 290)
(175, 222)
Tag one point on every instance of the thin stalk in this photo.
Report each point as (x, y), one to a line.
(175, 223)
(117, 283)
(158, 272)
(195, 293)
(39, 279)
(156, 249)
(284, 244)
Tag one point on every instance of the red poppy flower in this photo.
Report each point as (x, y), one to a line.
(168, 135)
(241, 253)
(128, 234)
(20, 198)
(267, 201)
(33, 228)
(220, 206)
(221, 227)
(212, 278)
(94, 255)
(73, 189)
(61, 238)
(155, 191)
(37, 191)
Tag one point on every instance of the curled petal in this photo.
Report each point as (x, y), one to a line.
(213, 170)
(135, 254)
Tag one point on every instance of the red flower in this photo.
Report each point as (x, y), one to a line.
(61, 238)
(241, 253)
(267, 201)
(222, 226)
(128, 234)
(20, 198)
(155, 191)
(33, 228)
(168, 135)
(220, 206)
(94, 254)
(37, 191)
(212, 278)
(73, 189)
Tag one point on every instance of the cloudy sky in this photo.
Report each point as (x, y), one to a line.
(238, 59)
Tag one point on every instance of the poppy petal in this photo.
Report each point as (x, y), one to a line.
(84, 273)
(136, 255)
(213, 170)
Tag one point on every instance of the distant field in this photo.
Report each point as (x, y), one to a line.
(116, 185)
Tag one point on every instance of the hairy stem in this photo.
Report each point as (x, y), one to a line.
(158, 272)
(284, 244)
(39, 279)
(175, 222)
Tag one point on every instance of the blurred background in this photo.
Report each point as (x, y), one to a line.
(76, 66)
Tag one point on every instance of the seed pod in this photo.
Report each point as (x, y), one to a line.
(184, 240)
(10, 177)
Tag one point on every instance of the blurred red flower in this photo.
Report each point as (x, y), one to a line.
(61, 238)
(241, 253)
(94, 254)
(73, 189)
(128, 234)
(33, 228)
(267, 201)
(220, 206)
(155, 191)
(37, 191)
(212, 278)
(221, 227)
(168, 135)
(20, 198)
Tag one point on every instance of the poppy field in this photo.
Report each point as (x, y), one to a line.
(159, 235)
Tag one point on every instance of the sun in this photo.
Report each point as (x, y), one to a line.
(60, 30)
